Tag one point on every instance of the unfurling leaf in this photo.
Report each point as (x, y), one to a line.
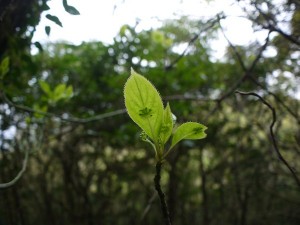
(189, 130)
(144, 105)
(167, 125)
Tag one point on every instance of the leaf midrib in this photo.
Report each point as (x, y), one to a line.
(140, 94)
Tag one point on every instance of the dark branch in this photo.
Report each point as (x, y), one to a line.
(247, 71)
(66, 119)
(278, 99)
(274, 142)
(146, 210)
(249, 75)
(210, 25)
(19, 175)
(161, 195)
(271, 27)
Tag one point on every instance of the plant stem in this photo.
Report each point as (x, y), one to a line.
(161, 195)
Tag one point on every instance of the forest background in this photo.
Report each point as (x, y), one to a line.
(71, 155)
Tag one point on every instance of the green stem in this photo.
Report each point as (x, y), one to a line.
(161, 195)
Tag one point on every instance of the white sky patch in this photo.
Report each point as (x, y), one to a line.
(101, 20)
(238, 30)
(9, 133)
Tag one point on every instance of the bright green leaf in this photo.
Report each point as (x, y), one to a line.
(69, 91)
(4, 67)
(59, 92)
(144, 105)
(54, 19)
(123, 30)
(40, 110)
(167, 125)
(157, 37)
(45, 87)
(189, 130)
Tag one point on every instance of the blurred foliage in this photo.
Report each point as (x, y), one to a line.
(97, 171)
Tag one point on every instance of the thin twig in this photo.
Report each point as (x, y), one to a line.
(271, 27)
(150, 202)
(161, 195)
(19, 175)
(274, 142)
(210, 25)
(61, 117)
(249, 75)
(247, 71)
(278, 99)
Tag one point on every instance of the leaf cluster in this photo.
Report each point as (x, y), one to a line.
(145, 107)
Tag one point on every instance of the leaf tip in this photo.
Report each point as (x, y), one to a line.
(132, 72)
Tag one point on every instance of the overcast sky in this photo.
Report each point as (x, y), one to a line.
(102, 19)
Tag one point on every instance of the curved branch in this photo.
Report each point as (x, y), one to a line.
(279, 155)
(248, 73)
(278, 99)
(19, 175)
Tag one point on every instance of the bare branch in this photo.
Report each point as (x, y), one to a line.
(61, 117)
(146, 210)
(274, 142)
(278, 99)
(161, 195)
(186, 97)
(19, 175)
(249, 75)
(210, 25)
(271, 27)
(235, 51)
(247, 71)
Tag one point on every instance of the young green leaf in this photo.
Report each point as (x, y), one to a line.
(189, 130)
(69, 91)
(59, 91)
(167, 125)
(40, 110)
(45, 87)
(144, 105)
(4, 67)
